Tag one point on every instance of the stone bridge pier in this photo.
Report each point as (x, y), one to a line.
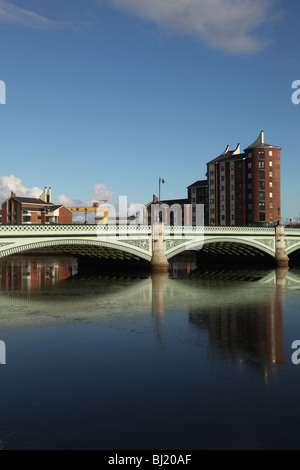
(282, 259)
(159, 262)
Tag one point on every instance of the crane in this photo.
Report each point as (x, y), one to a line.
(94, 208)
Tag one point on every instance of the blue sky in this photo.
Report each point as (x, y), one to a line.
(105, 96)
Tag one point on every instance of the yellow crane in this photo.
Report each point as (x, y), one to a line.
(105, 210)
(94, 208)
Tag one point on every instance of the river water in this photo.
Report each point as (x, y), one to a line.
(115, 361)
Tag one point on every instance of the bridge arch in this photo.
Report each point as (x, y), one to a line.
(292, 248)
(129, 251)
(257, 246)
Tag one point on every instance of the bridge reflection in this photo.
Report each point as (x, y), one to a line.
(240, 313)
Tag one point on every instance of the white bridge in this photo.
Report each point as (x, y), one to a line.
(156, 244)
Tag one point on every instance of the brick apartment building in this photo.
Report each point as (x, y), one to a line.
(24, 210)
(244, 187)
(197, 193)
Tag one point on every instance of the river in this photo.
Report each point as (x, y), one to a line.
(188, 360)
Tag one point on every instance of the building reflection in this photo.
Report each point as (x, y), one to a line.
(247, 333)
(33, 273)
(241, 313)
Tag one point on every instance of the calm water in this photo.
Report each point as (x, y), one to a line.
(178, 362)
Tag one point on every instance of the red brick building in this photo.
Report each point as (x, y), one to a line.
(23, 210)
(244, 188)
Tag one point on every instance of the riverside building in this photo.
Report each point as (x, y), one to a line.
(244, 187)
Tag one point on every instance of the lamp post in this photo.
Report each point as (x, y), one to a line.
(161, 181)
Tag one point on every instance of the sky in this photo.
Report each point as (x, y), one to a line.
(104, 97)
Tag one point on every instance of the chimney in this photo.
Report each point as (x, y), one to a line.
(43, 196)
(49, 195)
(12, 194)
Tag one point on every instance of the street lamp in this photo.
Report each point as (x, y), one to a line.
(161, 181)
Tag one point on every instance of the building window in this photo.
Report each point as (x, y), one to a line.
(262, 207)
(232, 187)
(249, 165)
(261, 165)
(262, 185)
(222, 188)
(222, 178)
(232, 166)
(271, 163)
(270, 152)
(193, 200)
(232, 197)
(249, 206)
(222, 168)
(212, 192)
(250, 186)
(232, 207)
(223, 217)
(249, 176)
(262, 217)
(212, 182)
(261, 154)
(261, 175)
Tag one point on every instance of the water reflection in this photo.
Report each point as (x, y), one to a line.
(85, 353)
(239, 310)
(34, 272)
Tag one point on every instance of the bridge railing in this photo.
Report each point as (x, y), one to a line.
(200, 230)
(92, 230)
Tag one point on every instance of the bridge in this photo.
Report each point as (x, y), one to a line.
(156, 244)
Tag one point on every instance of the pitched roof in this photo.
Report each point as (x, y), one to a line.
(199, 184)
(229, 155)
(260, 142)
(31, 200)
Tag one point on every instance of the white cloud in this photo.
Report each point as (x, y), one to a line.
(12, 14)
(230, 25)
(12, 183)
(100, 193)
